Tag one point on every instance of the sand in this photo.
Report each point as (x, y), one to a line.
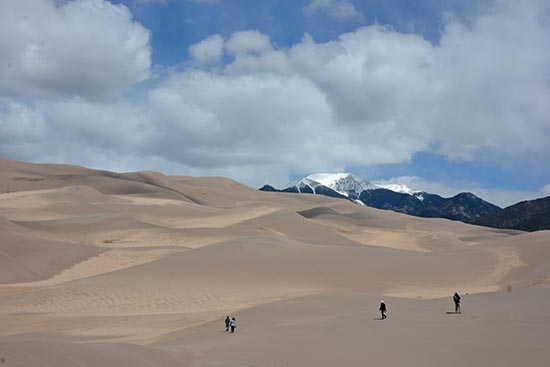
(105, 269)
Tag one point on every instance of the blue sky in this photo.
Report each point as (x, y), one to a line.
(445, 96)
(178, 24)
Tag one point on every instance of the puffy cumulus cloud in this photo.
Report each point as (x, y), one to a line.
(71, 130)
(119, 126)
(339, 9)
(208, 50)
(492, 80)
(89, 48)
(219, 121)
(249, 41)
(214, 121)
(480, 93)
(21, 129)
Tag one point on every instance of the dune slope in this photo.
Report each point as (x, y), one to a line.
(145, 266)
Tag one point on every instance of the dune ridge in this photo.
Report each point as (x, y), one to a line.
(143, 266)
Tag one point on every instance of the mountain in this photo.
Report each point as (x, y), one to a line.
(465, 207)
(391, 200)
(344, 183)
(268, 188)
(309, 186)
(530, 215)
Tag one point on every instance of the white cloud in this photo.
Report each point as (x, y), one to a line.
(481, 89)
(88, 48)
(20, 127)
(249, 41)
(339, 9)
(208, 50)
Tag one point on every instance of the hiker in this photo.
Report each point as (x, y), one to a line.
(456, 299)
(233, 324)
(227, 322)
(382, 309)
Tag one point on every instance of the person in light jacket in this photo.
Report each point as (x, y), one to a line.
(233, 324)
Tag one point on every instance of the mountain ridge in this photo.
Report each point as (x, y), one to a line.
(465, 207)
(527, 215)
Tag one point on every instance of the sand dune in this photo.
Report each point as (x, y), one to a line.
(144, 266)
(26, 258)
(344, 329)
(32, 350)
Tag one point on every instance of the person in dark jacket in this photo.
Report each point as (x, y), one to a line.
(456, 299)
(382, 309)
(227, 322)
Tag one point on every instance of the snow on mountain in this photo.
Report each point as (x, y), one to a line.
(392, 196)
(346, 184)
(404, 189)
(302, 184)
(343, 183)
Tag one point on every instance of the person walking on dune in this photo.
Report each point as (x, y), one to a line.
(233, 324)
(456, 299)
(382, 309)
(227, 322)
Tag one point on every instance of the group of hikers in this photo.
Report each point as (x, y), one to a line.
(230, 324)
(383, 309)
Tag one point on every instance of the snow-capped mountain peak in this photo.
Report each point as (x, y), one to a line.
(401, 188)
(391, 195)
(304, 183)
(346, 184)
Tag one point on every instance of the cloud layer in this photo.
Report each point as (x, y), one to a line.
(87, 48)
(338, 9)
(245, 108)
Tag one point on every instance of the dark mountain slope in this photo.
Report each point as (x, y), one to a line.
(530, 215)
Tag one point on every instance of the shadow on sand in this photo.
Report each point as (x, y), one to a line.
(453, 313)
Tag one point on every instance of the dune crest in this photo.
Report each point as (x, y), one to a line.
(149, 264)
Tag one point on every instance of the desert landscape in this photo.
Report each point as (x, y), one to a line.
(140, 269)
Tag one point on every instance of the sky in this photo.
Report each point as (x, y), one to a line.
(442, 95)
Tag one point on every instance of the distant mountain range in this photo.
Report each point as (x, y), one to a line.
(531, 215)
(465, 207)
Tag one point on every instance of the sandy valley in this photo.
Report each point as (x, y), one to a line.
(140, 269)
